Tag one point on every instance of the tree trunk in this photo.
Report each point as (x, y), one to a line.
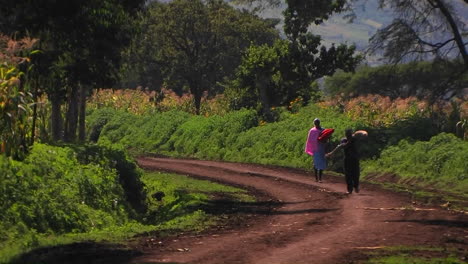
(262, 83)
(82, 114)
(72, 116)
(56, 118)
(197, 99)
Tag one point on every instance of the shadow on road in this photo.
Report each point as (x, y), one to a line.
(447, 223)
(78, 253)
(218, 207)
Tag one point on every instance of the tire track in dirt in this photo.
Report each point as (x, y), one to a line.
(311, 222)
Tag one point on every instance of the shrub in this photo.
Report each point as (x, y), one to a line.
(439, 162)
(129, 175)
(52, 192)
(144, 133)
(209, 137)
(96, 122)
(119, 128)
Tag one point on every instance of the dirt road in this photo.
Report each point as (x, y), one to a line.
(297, 220)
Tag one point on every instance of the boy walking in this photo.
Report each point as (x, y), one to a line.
(351, 159)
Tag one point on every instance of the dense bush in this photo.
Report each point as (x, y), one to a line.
(96, 122)
(439, 162)
(52, 192)
(145, 133)
(282, 143)
(129, 175)
(119, 127)
(210, 137)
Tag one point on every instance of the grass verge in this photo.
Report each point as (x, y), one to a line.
(414, 255)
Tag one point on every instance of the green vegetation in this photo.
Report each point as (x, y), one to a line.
(412, 255)
(421, 79)
(64, 194)
(439, 163)
(203, 57)
(51, 192)
(237, 136)
(407, 259)
(415, 255)
(184, 196)
(240, 136)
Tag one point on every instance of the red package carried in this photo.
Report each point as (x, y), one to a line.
(325, 134)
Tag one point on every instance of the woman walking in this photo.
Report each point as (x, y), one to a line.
(316, 149)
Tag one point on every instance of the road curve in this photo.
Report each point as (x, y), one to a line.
(310, 222)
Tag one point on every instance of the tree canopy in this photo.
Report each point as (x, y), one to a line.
(281, 73)
(80, 43)
(422, 29)
(195, 44)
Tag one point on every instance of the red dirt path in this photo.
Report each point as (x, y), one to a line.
(309, 223)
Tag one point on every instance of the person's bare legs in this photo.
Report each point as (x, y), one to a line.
(318, 174)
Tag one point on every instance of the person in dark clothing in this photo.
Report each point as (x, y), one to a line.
(351, 159)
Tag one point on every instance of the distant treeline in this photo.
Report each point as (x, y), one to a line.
(430, 80)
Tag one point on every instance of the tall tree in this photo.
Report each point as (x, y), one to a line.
(198, 43)
(422, 29)
(81, 42)
(308, 59)
(275, 75)
(260, 82)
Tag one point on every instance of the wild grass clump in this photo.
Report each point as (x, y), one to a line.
(439, 163)
(414, 260)
(183, 198)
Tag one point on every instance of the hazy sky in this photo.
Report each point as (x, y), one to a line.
(369, 18)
